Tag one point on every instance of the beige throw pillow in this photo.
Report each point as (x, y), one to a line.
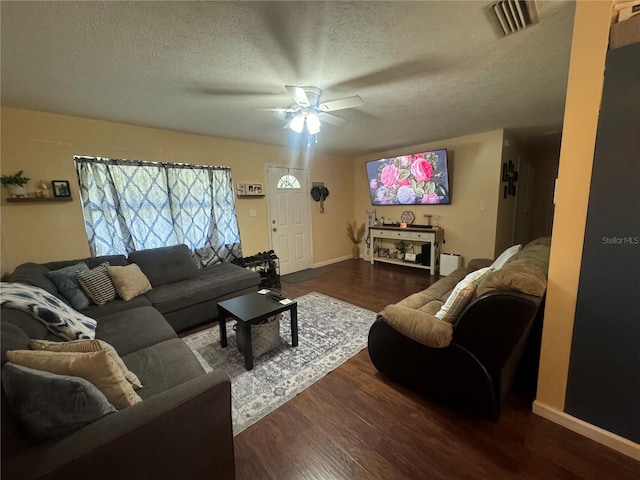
(96, 367)
(129, 281)
(87, 346)
(461, 295)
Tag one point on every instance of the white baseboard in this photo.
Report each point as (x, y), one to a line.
(334, 260)
(597, 434)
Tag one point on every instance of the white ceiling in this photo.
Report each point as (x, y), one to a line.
(425, 70)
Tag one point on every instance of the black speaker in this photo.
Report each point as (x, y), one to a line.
(426, 254)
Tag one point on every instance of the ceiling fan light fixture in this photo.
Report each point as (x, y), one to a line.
(297, 123)
(313, 123)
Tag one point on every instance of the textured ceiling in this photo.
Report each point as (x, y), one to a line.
(425, 70)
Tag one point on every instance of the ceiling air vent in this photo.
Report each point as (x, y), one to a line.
(511, 16)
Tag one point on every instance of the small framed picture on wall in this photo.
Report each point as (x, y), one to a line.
(61, 188)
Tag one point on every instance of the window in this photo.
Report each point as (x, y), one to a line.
(130, 206)
(288, 181)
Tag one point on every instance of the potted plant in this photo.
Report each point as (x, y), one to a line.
(355, 234)
(15, 183)
(402, 246)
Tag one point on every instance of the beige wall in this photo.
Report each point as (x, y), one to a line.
(43, 145)
(474, 167)
(584, 93)
(512, 151)
(544, 163)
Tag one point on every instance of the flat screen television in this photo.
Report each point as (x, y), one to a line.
(415, 179)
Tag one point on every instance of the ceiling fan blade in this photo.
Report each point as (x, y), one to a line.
(341, 104)
(331, 119)
(298, 94)
(285, 110)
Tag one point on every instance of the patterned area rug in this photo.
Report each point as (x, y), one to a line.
(329, 331)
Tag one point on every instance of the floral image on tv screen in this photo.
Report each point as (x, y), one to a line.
(415, 179)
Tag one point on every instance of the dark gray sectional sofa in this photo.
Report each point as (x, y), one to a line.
(185, 295)
(182, 428)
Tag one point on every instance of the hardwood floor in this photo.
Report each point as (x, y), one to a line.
(357, 424)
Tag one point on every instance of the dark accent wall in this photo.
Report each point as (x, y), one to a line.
(604, 372)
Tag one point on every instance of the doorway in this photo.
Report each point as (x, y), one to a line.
(289, 218)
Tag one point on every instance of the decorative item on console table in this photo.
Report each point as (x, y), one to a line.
(402, 246)
(427, 241)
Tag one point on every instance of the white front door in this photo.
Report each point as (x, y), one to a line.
(289, 220)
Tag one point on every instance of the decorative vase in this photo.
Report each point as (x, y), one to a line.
(355, 251)
(17, 190)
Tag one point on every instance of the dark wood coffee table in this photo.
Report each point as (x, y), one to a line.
(251, 309)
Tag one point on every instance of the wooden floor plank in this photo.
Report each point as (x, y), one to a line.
(355, 423)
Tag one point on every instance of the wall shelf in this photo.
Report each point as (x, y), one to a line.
(38, 199)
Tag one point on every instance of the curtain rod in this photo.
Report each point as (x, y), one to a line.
(142, 163)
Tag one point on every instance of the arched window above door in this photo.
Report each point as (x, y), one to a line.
(288, 181)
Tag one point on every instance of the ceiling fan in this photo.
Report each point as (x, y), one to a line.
(307, 111)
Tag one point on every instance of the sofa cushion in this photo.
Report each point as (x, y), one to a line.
(92, 262)
(115, 306)
(423, 301)
(50, 405)
(12, 337)
(165, 265)
(419, 326)
(443, 287)
(98, 284)
(129, 281)
(66, 281)
(87, 346)
(163, 366)
(525, 272)
(59, 318)
(214, 281)
(461, 296)
(134, 329)
(36, 275)
(96, 367)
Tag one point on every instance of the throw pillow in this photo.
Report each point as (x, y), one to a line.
(504, 256)
(460, 296)
(66, 281)
(96, 367)
(50, 405)
(129, 281)
(59, 318)
(98, 285)
(87, 346)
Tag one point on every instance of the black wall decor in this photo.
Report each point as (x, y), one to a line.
(509, 175)
(603, 386)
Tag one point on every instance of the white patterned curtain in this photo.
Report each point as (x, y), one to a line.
(132, 206)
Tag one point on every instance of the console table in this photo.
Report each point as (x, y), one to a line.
(416, 236)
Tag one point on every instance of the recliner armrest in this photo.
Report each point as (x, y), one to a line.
(184, 432)
(478, 263)
(418, 326)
